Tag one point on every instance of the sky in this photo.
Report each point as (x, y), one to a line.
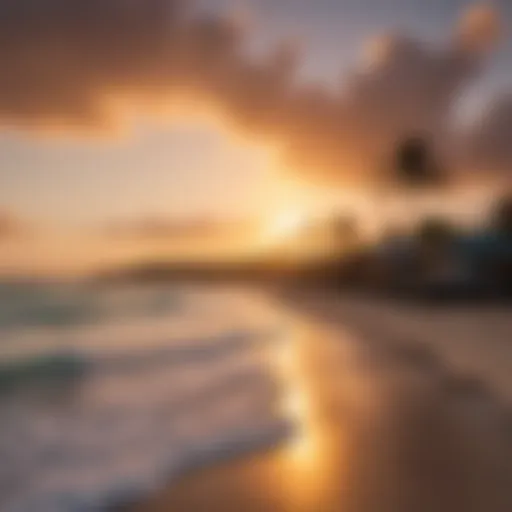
(246, 140)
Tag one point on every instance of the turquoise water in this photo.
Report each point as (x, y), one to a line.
(61, 305)
(48, 310)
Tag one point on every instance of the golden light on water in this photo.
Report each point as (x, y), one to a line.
(303, 448)
(306, 458)
(314, 465)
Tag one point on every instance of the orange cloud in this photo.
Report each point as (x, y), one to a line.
(174, 230)
(479, 28)
(88, 63)
(11, 226)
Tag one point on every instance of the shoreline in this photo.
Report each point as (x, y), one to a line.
(386, 431)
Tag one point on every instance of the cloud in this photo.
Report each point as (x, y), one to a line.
(479, 28)
(88, 63)
(11, 226)
(171, 230)
(488, 146)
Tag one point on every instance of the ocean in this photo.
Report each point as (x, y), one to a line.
(108, 392)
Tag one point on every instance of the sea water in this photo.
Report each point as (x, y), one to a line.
(108, 392)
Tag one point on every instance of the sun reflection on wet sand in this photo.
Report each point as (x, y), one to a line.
(296, 403)
(306, 459)
(309, 470)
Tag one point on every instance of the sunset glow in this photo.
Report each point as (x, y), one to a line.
(243, 244)
(286, 225)
(224, 120)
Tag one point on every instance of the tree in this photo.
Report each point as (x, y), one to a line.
(346, 231)
(435, 237)
(415, 166)
(435, 232)
(502, 216)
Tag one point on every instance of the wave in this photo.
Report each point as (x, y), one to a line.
(52, 367)
(124, 490)
(67, 305)
(135, 404)
(68, 365)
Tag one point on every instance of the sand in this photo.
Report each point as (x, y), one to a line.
(384, 424)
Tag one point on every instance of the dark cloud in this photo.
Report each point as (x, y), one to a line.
(62, 58)
(69, 62)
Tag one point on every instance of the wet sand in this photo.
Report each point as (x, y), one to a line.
(382, 426)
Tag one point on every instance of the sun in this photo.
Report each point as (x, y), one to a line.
(286, 224)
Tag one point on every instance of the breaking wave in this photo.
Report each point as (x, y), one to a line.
(108, 405)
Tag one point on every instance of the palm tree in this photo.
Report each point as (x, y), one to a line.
(502, 216)
(501, 267)
(345, 232)
(435, 232)
(415, 166)
(435, 236)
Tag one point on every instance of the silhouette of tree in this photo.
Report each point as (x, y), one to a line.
(500, 267)
(346, 230)
(502, 216)
(435, 249)
(435, 232)
(415, 166)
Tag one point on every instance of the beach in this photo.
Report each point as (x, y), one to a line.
(107, 393)
(156, 398)
(391, 417)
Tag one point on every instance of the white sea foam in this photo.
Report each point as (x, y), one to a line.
(106, 411)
